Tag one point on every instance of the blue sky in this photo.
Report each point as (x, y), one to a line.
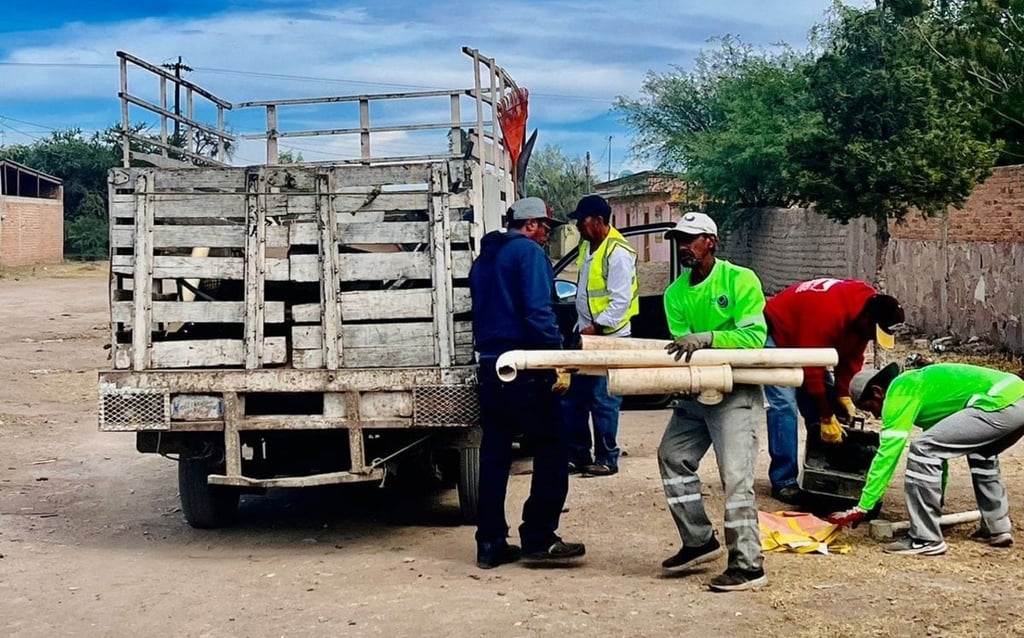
(58, 68)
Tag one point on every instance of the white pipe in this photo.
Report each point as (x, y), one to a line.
(510, 363)
(695, 379)
(598, 342)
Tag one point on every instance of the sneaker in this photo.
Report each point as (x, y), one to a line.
(689, 557)
(735, 579)
(913, 546)
(790, 494)
(599, 469)
(982, 535)
(490, 556)
(558, 553)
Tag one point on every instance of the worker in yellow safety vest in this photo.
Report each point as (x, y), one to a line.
(607, 297)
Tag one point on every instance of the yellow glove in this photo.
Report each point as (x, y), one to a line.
(561, 384)
(831, 431)
(851, 410)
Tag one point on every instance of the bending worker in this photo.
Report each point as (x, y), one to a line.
(963, 410)
(606, 299)
(845, 314)
(713, 304)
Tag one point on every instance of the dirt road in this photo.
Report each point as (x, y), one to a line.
(93, 543)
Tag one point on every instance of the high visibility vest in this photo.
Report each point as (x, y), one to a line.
(598, 298)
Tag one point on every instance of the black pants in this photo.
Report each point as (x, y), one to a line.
(524, 407)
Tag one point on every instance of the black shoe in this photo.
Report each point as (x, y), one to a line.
(735, 579)
(489, 556)
(559, 552)
(790, 494)
(599, 469)
(689, 557)
(577, 468)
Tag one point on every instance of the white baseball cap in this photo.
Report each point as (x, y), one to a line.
(694, 223)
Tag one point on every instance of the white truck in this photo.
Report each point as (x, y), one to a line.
(301, 324)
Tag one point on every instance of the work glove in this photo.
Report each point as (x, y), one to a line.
(851, 410)
(561, 384)
(689, 344)
(831, 431)
(851, 517)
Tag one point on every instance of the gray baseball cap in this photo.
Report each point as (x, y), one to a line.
(866, 378)
(532, 208)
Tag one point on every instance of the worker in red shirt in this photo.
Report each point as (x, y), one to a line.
(845, 314)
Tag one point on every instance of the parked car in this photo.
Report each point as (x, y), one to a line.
(650, 323)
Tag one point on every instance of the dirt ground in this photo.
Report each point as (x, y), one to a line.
(92, 542)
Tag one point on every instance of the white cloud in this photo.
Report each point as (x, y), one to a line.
(575, 56)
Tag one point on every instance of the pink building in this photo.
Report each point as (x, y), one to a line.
(648, 197)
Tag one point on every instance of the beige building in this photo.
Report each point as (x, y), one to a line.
(31, 216)
(648, 197)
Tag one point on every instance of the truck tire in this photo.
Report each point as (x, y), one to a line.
(205, 506)
(469, 483)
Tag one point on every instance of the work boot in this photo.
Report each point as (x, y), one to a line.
(736, 579)
(912, 546)
(690, 557)
(790, 494)
(982, 535)
(491, 555)
(557, 553)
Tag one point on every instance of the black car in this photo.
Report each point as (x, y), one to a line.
(650, 323)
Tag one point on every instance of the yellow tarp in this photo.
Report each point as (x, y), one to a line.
(799, 532)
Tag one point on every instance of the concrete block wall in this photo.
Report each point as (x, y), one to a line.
(959, 273)
(31, 231)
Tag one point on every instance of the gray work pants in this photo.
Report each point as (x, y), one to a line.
(981, 436)
(731, 427)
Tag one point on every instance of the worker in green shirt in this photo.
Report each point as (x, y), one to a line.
(963, 410)
(714, 304)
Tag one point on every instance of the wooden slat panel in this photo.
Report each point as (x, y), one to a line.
(200, 205)
(381, 175)
(306, 313)
(303, 204)
(199, 311)
(187, 179)
(387, 304)
(463, 302)
(307, 337)
(347, 204)
(307, 359)
(462, 260)
(202, 353)
(360, 231)
(184, 236)
(365, 267)
(387, 345)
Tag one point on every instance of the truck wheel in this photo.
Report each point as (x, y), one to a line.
(469, 483)
(205, 506)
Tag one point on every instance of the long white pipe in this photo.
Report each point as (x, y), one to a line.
(692, 380)
(510, 363)
(598, 342)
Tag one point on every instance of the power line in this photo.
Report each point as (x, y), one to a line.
(302, 78)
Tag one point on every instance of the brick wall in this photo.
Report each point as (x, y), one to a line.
(31, 231)
(959, 273)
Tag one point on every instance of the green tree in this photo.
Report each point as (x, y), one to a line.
(557, 179)
(727, 125)
(984, 41)
(82, 163)
(900, 129)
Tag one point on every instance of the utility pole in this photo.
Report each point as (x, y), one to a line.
(586, 172)
(609, 158)
(177, 67)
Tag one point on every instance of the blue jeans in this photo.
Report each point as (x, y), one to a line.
(588, 398)
(785, 406)
(524, 407)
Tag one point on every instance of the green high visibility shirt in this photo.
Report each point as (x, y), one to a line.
(923, 398)
(729, 304)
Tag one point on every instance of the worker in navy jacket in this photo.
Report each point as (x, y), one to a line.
(512, 287)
